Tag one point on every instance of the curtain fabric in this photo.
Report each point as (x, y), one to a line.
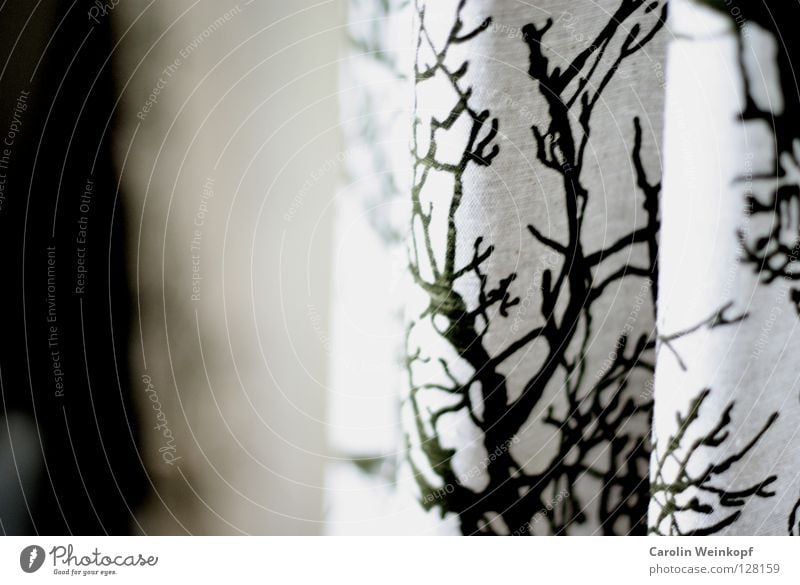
(726, 451)
(533, 250)
(600, 219)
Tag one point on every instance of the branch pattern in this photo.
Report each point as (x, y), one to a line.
(598, 411)
(687, 490)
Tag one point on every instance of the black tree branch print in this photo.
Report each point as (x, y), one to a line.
(773, 249)
(689, 471)
(770, 238)
(685, 489)
(599, 409)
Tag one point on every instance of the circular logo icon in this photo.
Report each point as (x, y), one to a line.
(31, 558)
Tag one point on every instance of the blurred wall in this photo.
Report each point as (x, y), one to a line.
(227, 130)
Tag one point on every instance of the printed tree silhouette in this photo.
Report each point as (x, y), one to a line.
(794, 520)
(599, 411)
(684, 489)
(773, 247)
(677, 487)
(720, 318)
(774, 251)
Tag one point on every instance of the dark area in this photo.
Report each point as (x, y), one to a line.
(65, 299)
